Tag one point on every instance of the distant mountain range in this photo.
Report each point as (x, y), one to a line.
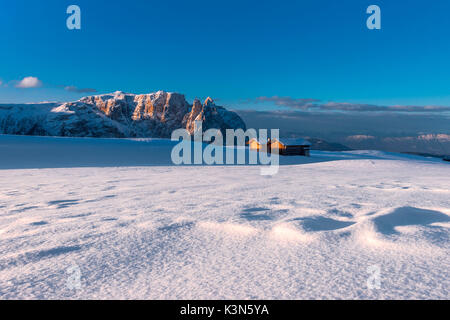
(427, 144)
(437, 145)
(156, 115)
(117, 114)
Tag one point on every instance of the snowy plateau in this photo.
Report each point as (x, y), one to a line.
(115, 219)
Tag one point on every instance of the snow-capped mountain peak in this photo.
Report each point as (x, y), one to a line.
(116, 114)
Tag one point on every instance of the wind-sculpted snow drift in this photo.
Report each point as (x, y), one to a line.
(116, 115)
(336, 225)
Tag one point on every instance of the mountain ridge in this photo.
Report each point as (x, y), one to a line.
(117, 114)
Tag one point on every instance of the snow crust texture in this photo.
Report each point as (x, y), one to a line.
(314, 230)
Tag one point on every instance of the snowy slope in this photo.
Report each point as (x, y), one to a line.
(30, 152)
(158, 231)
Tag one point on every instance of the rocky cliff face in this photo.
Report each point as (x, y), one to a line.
(116, 115)
(213, 117)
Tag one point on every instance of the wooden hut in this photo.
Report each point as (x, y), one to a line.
(254, 144)
(291, 146)
(285, 147)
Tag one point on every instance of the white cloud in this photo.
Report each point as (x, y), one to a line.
(29, 82)
(289, 102)
(79, 90)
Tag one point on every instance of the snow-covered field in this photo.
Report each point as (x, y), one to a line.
(134, 226)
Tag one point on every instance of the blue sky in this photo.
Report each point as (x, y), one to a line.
(230, 50)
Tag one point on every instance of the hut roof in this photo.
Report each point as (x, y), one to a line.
(257, 140)
(293, 141)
